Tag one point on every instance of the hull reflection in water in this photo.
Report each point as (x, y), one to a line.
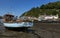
(22, 24)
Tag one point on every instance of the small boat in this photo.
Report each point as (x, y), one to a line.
(10, 22)
(21, 24)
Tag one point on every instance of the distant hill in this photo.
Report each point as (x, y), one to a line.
(50, 8)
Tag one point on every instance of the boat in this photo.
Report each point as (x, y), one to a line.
(18, 25)
(10, 22)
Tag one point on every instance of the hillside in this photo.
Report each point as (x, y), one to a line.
(50, 8)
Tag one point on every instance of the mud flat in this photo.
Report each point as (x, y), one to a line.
(39, 30)
(30, 33)
(48, 30)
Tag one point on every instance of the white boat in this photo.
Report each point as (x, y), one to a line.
(10, 21)
(21, 24)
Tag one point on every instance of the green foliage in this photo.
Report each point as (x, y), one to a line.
(50, 8)
(54, 5)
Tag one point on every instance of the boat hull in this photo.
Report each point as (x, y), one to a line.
(18, 25)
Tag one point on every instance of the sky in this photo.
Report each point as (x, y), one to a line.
(18, 7)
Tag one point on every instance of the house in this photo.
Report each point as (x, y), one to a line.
(48, 17)
(30, 18)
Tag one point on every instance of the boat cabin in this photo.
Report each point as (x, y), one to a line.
(8, 17)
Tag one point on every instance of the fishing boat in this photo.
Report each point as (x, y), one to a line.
(18, 25)
(10, 22)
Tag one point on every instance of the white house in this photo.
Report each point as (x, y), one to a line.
(54, 17)
(48, 17)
